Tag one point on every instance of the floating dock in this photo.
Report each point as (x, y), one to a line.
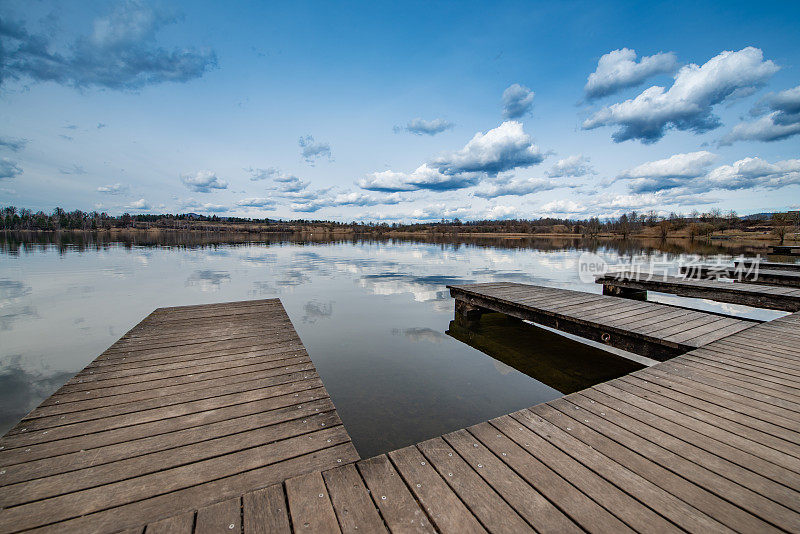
(785, 250)
(708, 441)
(658, 331)
(194, 405)
(770, 265)
(759, 296)
(783, 278)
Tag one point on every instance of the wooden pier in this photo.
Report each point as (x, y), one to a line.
(770, 265)
(784, 278)
(760, 296)
(194, 405)
(658, 331)
(707, 442)
(785, 250)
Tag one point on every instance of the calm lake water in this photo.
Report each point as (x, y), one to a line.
(374, 315)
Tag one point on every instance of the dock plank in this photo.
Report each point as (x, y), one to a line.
(310, 505)
(265, 511)
(351, 501)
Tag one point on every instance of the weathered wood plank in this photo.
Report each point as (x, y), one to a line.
(443, 506)
(489, 507)
(577, 505)
(225, 516)
(265, 511)
(351, 501)
(180, 524)
(390, 494)
(309, 504)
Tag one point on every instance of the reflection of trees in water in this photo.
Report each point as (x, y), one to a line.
(19, 241)
(22, 390)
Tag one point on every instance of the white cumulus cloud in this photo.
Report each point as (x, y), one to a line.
(203, 181)
(750, 173)
(517, 187)
(688, 104)
(501, 149)
(422, 127)
(674, 171)
(517, 101)
(781, 122)
(256, 202)
(112, 189)
(619, 70)
(140, 204)
(573, 166)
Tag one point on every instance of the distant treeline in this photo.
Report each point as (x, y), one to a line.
(689, 225)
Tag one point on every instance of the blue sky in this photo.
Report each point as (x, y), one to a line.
(412, 111)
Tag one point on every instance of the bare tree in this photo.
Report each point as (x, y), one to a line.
(780, 225)
(663, 229)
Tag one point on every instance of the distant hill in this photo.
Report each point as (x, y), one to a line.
(758, 216)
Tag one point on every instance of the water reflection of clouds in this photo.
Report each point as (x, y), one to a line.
(116, 272)
(12, 292)
(13, 289)
(315, 310)
(424, 288)
(420, 334)
(208, 280)
(292, 278)
(80, 290)
(264, 259)
(510, 276)
(23, 389)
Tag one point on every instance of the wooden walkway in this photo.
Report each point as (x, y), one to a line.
(194, 405)
(759, 296)
(658, 331)
(707, 442)
(771, 265)
(785, 250)
(783, 278)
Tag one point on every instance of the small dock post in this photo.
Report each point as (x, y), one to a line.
(467, 313)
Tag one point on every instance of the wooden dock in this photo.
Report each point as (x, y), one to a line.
(760, 296)
(707, 442)
(784, 278)
(771, 265)
(658, 331)
(785, 250)
(193, 406)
